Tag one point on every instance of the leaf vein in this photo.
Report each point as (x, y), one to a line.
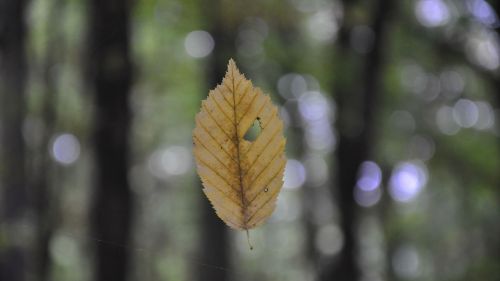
(262, 152)
(214, 155)
(244, 94)
(268, 182)
(223, 193)
(217, 173)
(263, 169)
(271, 197)
(215, 140)
(223, 112)
(218, 125)
(247, 109)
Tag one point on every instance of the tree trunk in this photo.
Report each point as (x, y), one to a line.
(356, 136)
(496, 7)
(110, 74)
(214, 239)
(14, 197)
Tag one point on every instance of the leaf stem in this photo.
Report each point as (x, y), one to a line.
(248, 240)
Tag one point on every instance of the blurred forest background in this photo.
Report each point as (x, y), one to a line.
(392, 122)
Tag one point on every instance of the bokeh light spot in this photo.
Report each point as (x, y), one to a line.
(319, 136)
(446, 122)
(432, 13)
(65, 149)
(483, 12)
(317, 169)
(452, 83)
(329, 240)
(172, 161)
(370, 176)
(322, 26)
(313, 106)
(199, 43)
(292, 85)
(465, 113)
(295, 174)
(406, 262)
(486, 117)
(483, 49)
(367, 198)
(413, 78)
(63, 250)
(407, 181)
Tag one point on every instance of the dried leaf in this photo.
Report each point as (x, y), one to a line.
(241, 179)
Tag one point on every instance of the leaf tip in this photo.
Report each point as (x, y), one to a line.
(231, 67)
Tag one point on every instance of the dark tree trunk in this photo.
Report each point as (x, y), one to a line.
(495, 4)
(214, 248)
(357, 119)
(14, 203)
(214, 239)
(110, 74)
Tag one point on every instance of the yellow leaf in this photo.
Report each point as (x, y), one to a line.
(241, 178)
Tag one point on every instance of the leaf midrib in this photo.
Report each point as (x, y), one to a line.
(237, 139)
